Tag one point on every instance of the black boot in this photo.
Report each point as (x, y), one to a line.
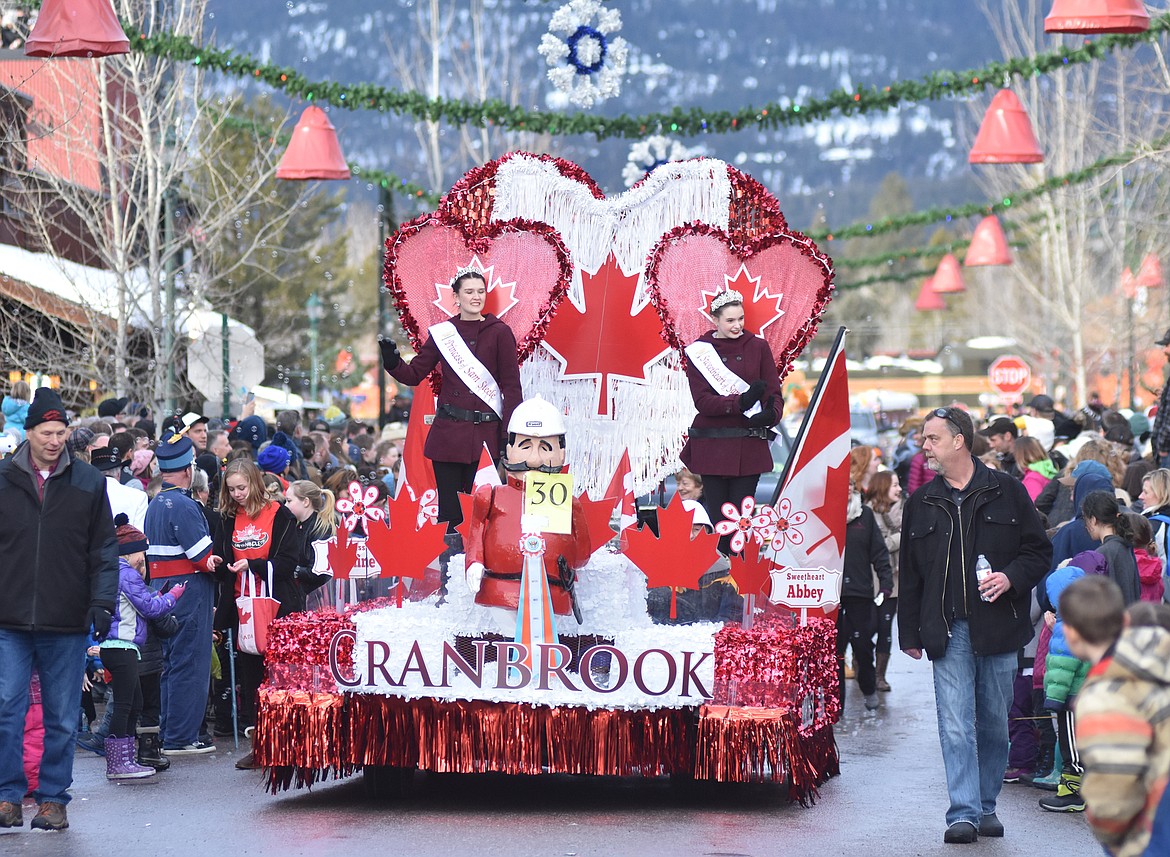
(150, 750)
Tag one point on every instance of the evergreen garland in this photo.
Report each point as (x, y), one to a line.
(687, 122)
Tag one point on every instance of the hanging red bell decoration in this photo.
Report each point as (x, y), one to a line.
(313, 152)
(1128, 286)
(948, 279)
(988, 245)
(1149, 275)
(928, 299)
(77, 28)
(1097, 16)
(1006, 136)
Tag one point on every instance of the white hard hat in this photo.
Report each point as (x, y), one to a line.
(537, 418)
(698, 513)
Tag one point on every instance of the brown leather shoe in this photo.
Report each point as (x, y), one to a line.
(50, 816)
(10, 814)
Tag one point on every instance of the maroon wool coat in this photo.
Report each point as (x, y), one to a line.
(750, 358)
(492, 343)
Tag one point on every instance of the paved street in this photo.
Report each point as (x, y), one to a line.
(889, 799)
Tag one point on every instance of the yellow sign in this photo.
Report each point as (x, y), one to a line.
(550, 496)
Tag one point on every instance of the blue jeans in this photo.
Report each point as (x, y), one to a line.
(972, 694)
(60, 660)
(186, 676)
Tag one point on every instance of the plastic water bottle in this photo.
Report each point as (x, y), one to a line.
(982, 572)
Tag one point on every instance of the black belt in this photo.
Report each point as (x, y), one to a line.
(519, 575)
(762, 433)
(451, 412)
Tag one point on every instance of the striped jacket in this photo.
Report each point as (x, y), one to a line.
(1123, 736)
(176, 528)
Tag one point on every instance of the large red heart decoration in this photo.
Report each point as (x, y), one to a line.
(525, 264)
(784, 279)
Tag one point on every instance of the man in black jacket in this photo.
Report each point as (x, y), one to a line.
(970, 629)
(59, 576)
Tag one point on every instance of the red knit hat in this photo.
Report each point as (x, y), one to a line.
(130, 538)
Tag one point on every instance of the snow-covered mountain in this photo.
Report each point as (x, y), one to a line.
(708, 53)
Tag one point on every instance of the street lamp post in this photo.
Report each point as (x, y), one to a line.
(315, 311)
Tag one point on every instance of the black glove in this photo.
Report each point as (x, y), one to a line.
(766, 418)
(99, 619)
(751, 395)
(390, 356)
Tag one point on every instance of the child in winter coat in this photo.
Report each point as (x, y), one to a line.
(1150, 568)
(15, 408)
(1064, 675)
(1064, 672)
(136, 604)
(1124, 734)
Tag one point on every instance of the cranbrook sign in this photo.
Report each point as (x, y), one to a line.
(608, 675)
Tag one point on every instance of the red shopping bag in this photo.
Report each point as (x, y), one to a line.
(257, 609)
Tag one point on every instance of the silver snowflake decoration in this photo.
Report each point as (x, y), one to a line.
(586, 60)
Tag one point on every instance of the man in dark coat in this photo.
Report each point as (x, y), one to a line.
(59, 575)
(970, 629)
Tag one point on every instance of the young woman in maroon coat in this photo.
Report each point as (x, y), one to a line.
(736, 390)
(464, 419)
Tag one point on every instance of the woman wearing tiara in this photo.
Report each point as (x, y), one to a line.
(480, 389)
(736, 390)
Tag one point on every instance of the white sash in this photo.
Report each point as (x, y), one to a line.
(465, 364)
(706, 359)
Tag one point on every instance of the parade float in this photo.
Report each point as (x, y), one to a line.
(628, 666)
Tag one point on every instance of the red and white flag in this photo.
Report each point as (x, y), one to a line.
(415, 471)
(814, 488)
(621, 488)
(487, 474)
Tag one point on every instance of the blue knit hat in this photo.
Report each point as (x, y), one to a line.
(175, 452)
(252, 430)
(273, 459)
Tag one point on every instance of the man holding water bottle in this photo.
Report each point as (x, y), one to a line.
(971, 628)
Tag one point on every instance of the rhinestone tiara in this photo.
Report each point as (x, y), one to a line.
(728, 296)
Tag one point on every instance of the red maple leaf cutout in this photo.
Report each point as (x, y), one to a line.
(674, 558)
(342, 554)
(245, 617)
(598, 514)
(402, 550)
(836, 499)
(606, 339)
(751, 571)
(501, 296)
(760, 306)
(464, 529)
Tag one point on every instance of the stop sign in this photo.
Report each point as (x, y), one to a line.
(1009, 375)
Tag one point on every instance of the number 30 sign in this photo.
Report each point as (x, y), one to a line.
(550, 496)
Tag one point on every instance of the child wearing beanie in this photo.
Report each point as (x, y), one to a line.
(135, 605)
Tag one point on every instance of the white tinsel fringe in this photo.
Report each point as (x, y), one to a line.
(628, 225)
(652, 418)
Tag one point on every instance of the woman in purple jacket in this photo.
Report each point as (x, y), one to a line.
(736, 390)
(480, 389)
(136, 605)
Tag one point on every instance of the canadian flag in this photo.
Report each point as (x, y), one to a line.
(487, 474)
(415, 471)
(621, 487)
(814, 488)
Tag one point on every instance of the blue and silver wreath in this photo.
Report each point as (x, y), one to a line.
(586, 60)
(656, 150)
